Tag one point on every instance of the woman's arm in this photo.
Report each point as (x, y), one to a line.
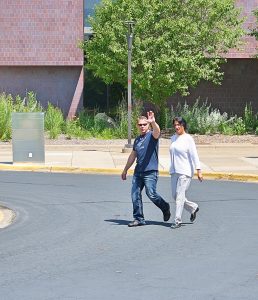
(195, 158)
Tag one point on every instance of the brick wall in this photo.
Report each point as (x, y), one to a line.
(34, 32)
(39, 50)
(249, 48)
(239, 86)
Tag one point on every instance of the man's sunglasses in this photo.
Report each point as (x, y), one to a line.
(145, 124)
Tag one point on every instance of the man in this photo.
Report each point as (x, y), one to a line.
(145, 149)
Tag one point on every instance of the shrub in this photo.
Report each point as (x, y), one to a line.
(102, 121)
(106, 133)
(239, 126)
(6, 108)
(121, 130)
(54, 121)
(85, 120)
(74, 129)
(28, 104)
(137, 110)
(249, 118)
(163, 117)
(201, 119)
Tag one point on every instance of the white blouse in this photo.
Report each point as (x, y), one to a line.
(183, 154)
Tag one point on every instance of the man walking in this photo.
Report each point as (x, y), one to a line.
(145, 150)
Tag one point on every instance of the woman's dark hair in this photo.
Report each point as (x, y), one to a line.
(181, 121)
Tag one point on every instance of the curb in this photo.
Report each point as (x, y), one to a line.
(1, 215)
(231, 176)
(224, 176)
(7, 216)
(74, 170)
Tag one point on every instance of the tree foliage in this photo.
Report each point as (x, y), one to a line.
(176, 43)
(255, 30)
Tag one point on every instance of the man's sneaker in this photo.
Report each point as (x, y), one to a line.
(193, 215)
(176, 225)
(166, 214)
(135, 223)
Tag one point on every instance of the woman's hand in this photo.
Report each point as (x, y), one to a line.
(199, 175)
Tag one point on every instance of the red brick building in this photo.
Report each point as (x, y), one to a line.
(240, 83)
(39, 50)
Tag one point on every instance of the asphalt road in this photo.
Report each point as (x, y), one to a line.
(70, 241)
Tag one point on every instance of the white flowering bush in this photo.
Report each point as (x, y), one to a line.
(203, 119)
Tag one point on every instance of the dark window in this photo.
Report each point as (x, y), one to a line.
(89, 10)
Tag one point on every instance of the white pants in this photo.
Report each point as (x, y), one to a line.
(179, 185)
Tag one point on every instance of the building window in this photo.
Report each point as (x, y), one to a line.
(89, 10)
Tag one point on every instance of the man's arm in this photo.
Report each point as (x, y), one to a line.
(129, 163)
(154, 125)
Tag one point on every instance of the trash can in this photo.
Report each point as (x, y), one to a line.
(28, 141)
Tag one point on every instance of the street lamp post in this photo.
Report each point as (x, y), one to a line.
(129, 88)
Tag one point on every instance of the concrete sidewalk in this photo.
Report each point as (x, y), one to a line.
(218, 161)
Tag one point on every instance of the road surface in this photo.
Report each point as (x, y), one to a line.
(70, 241)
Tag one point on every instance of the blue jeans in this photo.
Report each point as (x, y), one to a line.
(149, 181)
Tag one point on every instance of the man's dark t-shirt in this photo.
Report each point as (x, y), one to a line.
(146, 147)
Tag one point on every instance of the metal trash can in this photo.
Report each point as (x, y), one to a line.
(28, 141)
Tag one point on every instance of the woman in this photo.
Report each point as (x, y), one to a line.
(184, 160)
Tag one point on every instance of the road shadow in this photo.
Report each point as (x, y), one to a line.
(148, 222)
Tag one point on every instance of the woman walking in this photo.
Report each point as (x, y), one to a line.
(184, 160)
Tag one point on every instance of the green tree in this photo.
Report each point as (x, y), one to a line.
(176, 43)
(255, 30)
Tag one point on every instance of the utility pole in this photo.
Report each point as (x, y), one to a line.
(129, 89)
